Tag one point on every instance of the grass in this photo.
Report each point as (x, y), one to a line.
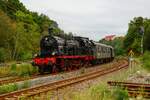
(4, 71)
(6, 88)
(21, 70)
(102, 92)
(18, 70)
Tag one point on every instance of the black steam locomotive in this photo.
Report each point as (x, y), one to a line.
(59, 54)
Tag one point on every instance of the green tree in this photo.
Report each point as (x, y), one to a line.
(7, 31)
(28, 36)
(21, 30)
(133, 37)
(147, 34)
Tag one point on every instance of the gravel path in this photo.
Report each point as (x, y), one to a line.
(139, 77)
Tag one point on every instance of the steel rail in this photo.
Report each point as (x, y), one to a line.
(134, 89)
(31, 92)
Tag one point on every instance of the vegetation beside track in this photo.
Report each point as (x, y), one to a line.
(21, 70)
(102, 91)
(13, 87)
(18, 70)
(8, 88)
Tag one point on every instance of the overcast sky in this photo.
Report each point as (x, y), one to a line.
(91, 18)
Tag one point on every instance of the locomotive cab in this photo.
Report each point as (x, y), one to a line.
(86, 46)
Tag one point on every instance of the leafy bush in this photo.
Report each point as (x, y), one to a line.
(120, 94)
(26, 70)
(23, 70)
(24, 55)
(8, 88)
(18, 70)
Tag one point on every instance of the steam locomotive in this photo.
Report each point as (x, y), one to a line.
(58, 54)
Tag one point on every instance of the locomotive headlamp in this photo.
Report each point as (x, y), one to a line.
(53, 53)
(46, 38)
(36, 55)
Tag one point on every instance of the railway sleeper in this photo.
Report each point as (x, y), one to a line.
(137, 93)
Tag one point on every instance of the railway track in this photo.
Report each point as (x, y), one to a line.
(40, 89)
(18, 79)
(134, 89)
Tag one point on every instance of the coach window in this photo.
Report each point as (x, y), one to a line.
(96, 48)
(103, 51)
(107, 50)
(99, 48)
